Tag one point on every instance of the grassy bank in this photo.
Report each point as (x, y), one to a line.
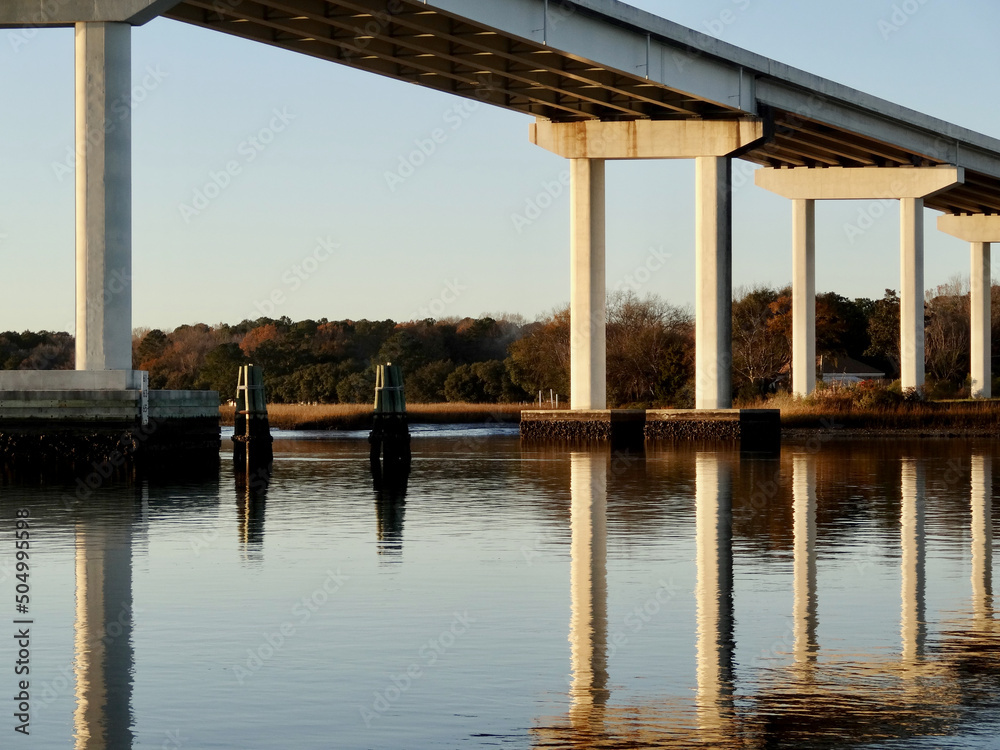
(828, 413)
(358, 416)
(834, 412)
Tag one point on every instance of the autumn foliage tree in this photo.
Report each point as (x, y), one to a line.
(650, 353)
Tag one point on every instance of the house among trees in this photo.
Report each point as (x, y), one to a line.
(840, 369)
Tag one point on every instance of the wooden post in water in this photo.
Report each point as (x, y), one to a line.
(390, 436)
(252, 434)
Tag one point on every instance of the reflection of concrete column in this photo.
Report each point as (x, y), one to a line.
(913, 629)
(103, 635)
(982, 536)
(588, 630)
(714, 530)
(804, 511)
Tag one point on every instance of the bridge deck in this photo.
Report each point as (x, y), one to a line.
(625, 64)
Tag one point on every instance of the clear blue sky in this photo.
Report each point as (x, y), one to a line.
(402, 253)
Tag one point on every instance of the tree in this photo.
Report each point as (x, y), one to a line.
(412, 347)
(313, 384)
(947, 334)
(647, 341)
(258, 336)
(221, 370)
(426, 384)
(150, 348)
(883, 330)
(761, 339)
(540, 359)
(464, 385)
(358, 388)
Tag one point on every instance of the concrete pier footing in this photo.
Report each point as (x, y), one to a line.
(110, 429)
(750, 427)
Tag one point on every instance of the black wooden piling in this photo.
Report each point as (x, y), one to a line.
(390, 435)
(252, 434)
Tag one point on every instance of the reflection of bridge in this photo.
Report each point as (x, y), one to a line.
(604, 81)
(103, 634)
(812, 700)
(109, 534)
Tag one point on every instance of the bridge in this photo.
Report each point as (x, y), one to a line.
(603, 81)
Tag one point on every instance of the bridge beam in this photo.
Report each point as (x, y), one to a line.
(32, 13)
(103, 197)
(909, 185)
(646, 139)
(711, 144)
(979, 230)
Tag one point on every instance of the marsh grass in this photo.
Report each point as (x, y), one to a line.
(870, 407)
(842, 408)
(358, 416)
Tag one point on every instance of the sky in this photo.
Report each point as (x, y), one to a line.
(310, 226)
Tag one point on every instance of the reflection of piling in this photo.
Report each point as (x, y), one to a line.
(251, 499)
(390, 503)
(390, 436)
(252, 434)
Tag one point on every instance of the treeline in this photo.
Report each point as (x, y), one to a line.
(505, 359)
(326, 361)
(864, 329)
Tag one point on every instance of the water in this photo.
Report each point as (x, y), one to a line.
(839, 595)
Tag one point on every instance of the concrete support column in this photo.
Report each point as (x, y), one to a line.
(588, 314)
(911, 296)
(713, 282)
(803, 297)
(103, 196)
(980, 302)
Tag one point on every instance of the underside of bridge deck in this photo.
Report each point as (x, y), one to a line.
(411, 41)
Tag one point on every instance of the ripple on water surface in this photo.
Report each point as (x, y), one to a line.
(520, 596)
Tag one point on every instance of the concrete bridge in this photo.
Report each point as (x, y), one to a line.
(603, 81)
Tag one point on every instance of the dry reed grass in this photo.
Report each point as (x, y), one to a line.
(826, 410)
(358, 416)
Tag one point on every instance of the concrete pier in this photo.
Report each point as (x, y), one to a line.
(600, 425)
(103, 196)
(980, 231)
(102, 417)
(911, 293)
(803, 297)
(752, 428)
(588, 145)
(910, 186)
(980, 302)
(110, 429)
(713, 283)
(588, 314)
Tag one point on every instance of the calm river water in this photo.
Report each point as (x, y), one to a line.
(837, 595)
